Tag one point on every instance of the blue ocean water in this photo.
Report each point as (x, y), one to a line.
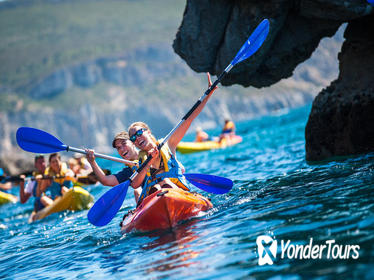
(276, 193)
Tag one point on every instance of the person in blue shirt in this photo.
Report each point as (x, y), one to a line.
(127, 150)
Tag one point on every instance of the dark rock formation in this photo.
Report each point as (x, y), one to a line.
(341, 120)
(213, 31)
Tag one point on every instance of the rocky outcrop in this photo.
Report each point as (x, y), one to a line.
(212, 32)
(341, 119)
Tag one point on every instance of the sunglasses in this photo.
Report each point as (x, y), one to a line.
(137, 134)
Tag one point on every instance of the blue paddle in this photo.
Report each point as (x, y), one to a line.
(104, 209)
(254, 42)
(41, 142)
(38, 141)
(204, 181)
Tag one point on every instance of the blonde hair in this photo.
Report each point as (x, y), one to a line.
(141, 124)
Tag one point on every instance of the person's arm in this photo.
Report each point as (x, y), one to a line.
(42, 185)
(106, 180)
(70, 173)
(179, 133)
(23, 196)
(138, 180)
(6, 187)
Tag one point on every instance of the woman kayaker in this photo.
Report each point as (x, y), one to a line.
(59, 184)
(165, 170)
(228, 130)
(127, 151)
(30, 189)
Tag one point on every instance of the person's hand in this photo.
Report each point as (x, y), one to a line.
(210, 82)
(38, 177)
(154, 153)
(48, 182)
(90, 155)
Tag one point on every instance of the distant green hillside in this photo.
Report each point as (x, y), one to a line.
(37, 37)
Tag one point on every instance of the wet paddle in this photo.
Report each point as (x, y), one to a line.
(38, 141)
(88, 179)
(15, 178)
(111, 202)
(210, 183)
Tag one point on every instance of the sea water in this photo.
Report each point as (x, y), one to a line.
(272, 224)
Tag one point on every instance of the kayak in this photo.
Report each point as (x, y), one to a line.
(7, 198)
(164, 209)
(193, 147)
(74, 199)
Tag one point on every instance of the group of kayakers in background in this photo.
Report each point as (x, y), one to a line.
(228, 130)
(49, 182)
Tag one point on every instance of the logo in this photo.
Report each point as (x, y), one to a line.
(267, 249)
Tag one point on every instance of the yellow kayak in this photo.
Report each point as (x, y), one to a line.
(193, 147)
(7, 198)
(75, 199)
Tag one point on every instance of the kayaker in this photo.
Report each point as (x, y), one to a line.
(201, 135)
(80, 166)
(59, 185)
(127, 150)
(74, 165)
(85, 167)
(228, 130)
(30, 189)
(165, 170)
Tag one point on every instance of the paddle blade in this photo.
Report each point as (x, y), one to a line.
(210, 183)
(38, 141)
(104, 210)
(253, 43)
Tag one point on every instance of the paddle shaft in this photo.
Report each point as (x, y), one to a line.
(259, 34)
(81, 151)
(194, 107)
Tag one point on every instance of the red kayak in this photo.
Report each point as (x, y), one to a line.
(164, 209)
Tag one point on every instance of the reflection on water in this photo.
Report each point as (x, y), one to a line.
(174, 247)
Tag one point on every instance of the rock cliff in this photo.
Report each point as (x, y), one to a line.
(342, 117)
(212, 32)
